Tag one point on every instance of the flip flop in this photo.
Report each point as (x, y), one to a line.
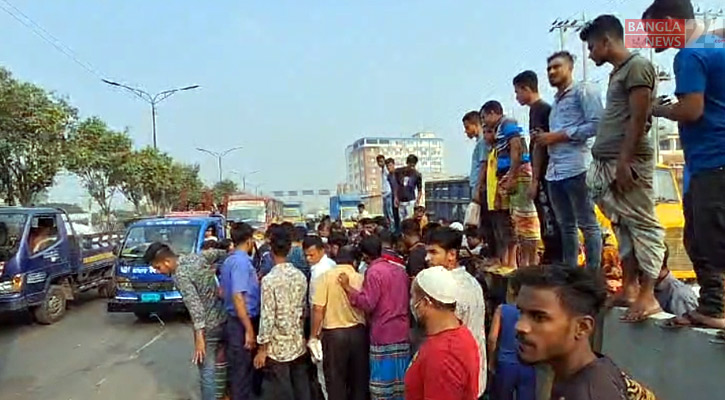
(719, 338)
(672, 324)
(642, 317)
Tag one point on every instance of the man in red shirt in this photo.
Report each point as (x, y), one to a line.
(447, 365)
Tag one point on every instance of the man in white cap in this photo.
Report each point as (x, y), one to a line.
(448, 363)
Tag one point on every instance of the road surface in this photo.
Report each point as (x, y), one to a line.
(91, 354)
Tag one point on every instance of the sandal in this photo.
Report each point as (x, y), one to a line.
(684, 321)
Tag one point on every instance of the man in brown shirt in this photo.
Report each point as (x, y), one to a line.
(621, 176)
(558, 307)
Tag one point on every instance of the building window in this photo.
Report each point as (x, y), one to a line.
(678, 145)
(665, 145)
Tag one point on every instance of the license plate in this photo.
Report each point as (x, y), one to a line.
(150, 298)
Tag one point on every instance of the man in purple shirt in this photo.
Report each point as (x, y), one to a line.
(385, 299)
(241, 295)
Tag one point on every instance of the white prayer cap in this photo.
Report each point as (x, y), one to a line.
(438, 283)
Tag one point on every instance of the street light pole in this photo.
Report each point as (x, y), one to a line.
(244, 180)
(219, 157)
(152, 100)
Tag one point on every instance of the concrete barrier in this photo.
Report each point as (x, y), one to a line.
(682, 364)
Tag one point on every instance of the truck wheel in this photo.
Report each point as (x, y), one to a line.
(107, 291)
(53, 307)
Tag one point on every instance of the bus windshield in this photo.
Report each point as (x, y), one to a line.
(247, 214)
(11, 231)
(292, 212)
(181, 238)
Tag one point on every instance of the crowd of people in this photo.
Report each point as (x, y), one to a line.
(397, 308)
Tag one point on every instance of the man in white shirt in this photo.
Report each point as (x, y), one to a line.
(319, 264)
(386, 191)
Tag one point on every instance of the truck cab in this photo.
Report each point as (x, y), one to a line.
(139, 288)
(44, 263)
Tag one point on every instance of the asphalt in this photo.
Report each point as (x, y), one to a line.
(91, 354)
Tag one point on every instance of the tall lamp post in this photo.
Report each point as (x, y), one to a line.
(244, 179)
(219, 156)
(153, 100)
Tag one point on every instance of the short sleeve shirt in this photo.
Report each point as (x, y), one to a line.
(600, 380)
(700, 69)
(507, 131)
(478, 160)
(634, 73)
(239, 276)
(410, 183)
(339, 313)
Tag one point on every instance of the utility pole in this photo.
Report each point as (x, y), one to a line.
(576, 25)
(219, 157)
(152, 100)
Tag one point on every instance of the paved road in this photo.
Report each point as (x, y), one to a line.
(91, 354)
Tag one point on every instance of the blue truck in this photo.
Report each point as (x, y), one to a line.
(447, 198)
(141, 290)
(343, 207)
(44, 263)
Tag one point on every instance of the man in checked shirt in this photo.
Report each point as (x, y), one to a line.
(197, 284)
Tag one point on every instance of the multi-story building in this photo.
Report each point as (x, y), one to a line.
(363, 173)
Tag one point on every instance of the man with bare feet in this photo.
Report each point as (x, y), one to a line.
(621, 176)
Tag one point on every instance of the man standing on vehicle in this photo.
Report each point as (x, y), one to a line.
(410, 188)
(197, 285)
(473, 126)
(241, 293)
(385, 190)
(621, 177)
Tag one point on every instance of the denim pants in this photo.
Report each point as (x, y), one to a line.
(207, 369)
(388, 210)
(574, 209)
(406, 209)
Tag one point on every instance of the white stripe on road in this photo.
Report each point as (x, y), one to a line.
(149, 343)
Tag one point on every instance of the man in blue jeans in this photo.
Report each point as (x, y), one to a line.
(385, 190)
(197, 285)
(573, 123)
(241, 295)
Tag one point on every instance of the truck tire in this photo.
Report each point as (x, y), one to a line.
(107, 291)
(53, 308)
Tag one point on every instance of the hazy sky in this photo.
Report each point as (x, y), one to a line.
(293, 82)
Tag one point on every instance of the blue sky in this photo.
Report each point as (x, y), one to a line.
(293, 82)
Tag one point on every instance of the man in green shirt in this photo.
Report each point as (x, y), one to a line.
(621, 176)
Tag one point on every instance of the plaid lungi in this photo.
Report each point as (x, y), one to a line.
(388, 364)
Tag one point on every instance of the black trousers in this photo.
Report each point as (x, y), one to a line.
(704, 238)
(244, 380)
(550, 233)
(345, 360)
(286, 380)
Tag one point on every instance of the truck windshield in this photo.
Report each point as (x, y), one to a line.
(11, 231)
(292, 212)
(247, 214)
(664, 186)
(182, 239)
(348, 214)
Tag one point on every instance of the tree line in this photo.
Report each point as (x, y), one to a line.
(41, 134)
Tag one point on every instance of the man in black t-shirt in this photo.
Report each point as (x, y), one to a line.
(409, 187)
(558, 306)
(526, 86)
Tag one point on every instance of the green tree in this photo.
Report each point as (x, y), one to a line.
(134, 172)
(224, 188)
(33, 125)
(98, 155)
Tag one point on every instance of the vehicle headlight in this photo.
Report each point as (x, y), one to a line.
(14, 285)
(2, 267)
(123, 283)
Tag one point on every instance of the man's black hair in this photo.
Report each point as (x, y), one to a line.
(390, 161)
(527, 79)
(412, 159)
(386, 237)
(449, 239)
(381, 221)
(380, 157)
(366, 221)
(338, 239)
(312, 241)
(361, 205)
(432, 226)
(410, 227)
(492, 106)
(241, 232)
(371, 247)
(581, 292)
(471, 231)
(157, 251)
(347, 254)
(224, 244)
(209, 244)
(675, 9)
(601, 27)
(281, 241)
(300, 233)
(561, 54)
(472, 117)
(268, 232)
